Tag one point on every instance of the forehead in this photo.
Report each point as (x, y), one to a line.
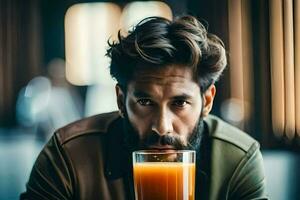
(172, 79)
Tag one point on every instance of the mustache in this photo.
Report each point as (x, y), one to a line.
(154, 138)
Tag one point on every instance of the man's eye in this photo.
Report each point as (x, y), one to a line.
(145, 102)
(180, 103)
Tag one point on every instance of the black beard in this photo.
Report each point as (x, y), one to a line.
(133, 142)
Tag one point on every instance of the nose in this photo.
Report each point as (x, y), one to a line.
(163, 123)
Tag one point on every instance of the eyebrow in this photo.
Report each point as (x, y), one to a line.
(183, 96)
(140, 94)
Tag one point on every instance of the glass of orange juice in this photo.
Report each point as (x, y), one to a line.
(164, 175)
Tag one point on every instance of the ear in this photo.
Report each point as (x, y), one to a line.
(208, 99)
(120, 99)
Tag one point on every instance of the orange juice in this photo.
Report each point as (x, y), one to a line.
(164, 181)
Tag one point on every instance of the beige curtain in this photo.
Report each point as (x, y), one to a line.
(277, 66)
(297, 63)
(284, 60)
(285, 63)
(240, 59)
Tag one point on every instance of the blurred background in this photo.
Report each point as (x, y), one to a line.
(53, 70)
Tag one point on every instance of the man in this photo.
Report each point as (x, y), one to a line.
(166, 72)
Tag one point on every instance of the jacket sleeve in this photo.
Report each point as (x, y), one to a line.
(248, 181)
(51, 177)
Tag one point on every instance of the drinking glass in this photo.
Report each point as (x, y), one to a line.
(164, 175)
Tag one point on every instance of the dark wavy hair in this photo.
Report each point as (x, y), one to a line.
(158, 42)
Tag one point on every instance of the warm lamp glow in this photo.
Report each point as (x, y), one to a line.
(88, 26)
(138, 10)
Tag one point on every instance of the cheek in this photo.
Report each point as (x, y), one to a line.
(185, 125)
(138, 118)
(186, 122)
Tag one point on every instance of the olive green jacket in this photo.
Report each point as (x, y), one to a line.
(87, 160)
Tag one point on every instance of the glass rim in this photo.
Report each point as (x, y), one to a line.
(148, 152)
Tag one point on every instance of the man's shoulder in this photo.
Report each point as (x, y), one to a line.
(235, 161)
(93, 124)
(228, 134)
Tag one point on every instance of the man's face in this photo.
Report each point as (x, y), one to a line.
(163, 107)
